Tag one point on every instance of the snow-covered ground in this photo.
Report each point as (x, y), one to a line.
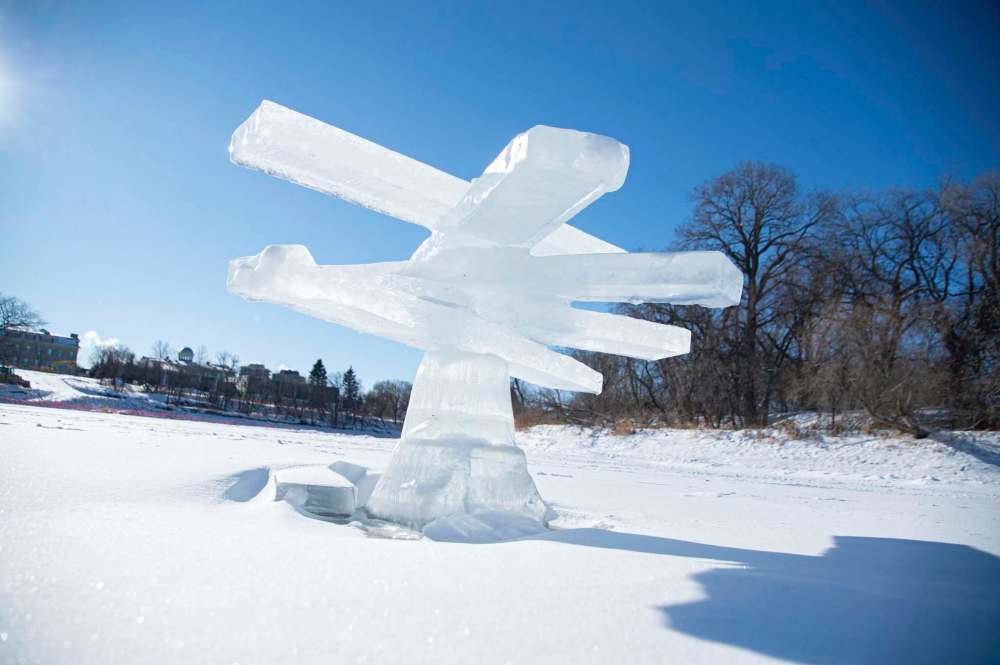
(140, 540)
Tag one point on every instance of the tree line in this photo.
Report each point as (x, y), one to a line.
(337, 399)
(883, 303)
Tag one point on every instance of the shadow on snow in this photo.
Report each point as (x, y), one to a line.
(865, 600)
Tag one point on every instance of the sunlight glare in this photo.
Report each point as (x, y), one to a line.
(8, 87)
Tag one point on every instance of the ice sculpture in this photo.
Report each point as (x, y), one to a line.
(485, 296)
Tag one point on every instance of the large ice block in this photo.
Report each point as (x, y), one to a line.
(432, 478)
(486, 295)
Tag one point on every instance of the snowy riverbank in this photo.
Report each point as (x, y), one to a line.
(122, 542)
(79, 393)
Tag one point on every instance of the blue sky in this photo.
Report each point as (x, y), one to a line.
(119, 209)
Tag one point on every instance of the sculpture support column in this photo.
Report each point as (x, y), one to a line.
(458, 394)
(457, 452)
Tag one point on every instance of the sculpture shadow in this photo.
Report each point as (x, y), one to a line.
(865, 600)
(246, 484)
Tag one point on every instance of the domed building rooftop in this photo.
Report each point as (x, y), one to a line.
(186, 355)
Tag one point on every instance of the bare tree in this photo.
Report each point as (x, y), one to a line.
(389, 398)
(112, 363)
(886, 303)
(162, 350)
(228, 360)
(15, 314)
(201, 354)
(757, 216)
(962, 279)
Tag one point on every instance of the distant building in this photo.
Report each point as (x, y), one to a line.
(186, 373)
(254, 371)
(253, 377)
(289, 384)
(289, 376)
(39, 350)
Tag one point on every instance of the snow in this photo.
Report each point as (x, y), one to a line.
(129, 540)
(63, 388)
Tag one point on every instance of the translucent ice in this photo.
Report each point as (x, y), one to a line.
(457, 453)
(316, 489)
(485, 295)
(311, 153)
(456, 394)
(433, 478)
(490, 526)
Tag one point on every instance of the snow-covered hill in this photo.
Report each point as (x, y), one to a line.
(67, 391)
(81, 393)
(128, 540)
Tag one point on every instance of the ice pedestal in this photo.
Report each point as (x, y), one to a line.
(432, 478)
(457, 454)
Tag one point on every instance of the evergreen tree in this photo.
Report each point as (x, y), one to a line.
(352, 390)
(319, 392)
(317, 375)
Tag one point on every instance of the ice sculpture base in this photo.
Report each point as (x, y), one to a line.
(432, 478)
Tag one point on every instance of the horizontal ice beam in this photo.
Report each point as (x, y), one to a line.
(301, 149)
(705, 278)
(374, 299)
(289, 145)
(606, 333)
(543, 178)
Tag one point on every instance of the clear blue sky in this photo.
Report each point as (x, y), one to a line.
(119, 209)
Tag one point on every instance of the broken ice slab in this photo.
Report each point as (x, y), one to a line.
(316, 489)
(487, 526)
(364, 480)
